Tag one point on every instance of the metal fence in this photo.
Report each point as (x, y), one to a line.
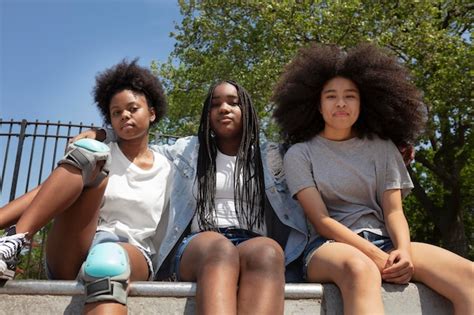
(29, 152)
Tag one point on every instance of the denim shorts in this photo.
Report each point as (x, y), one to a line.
(106, 237)
(382, 242)
(235, 235)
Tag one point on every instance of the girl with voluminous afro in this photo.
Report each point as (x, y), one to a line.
(344, 112)
(392, 105)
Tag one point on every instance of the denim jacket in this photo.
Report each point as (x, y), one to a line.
(286, 222)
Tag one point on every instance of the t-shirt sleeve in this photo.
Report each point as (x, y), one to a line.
(297, 164)
(396, 173)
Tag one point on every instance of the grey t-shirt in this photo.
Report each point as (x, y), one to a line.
(351, 177)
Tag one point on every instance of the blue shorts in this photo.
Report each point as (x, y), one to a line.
(235, 235)
(106, 237)
(382, 242)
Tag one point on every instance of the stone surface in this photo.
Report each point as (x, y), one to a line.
(19, 297)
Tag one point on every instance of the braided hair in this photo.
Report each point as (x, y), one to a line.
(249, 187)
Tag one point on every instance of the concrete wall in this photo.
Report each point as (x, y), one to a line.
(65, 297)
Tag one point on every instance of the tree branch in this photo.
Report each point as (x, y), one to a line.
(438, 170)
(423, 198)
(433, 142)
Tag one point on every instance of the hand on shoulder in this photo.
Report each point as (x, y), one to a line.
(96, 134)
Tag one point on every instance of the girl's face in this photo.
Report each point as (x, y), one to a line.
(340, 107)
(225, 114)
(130, 115)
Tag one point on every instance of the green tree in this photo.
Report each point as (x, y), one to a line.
(252, 41)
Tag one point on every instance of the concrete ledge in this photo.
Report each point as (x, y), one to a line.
(65, 297)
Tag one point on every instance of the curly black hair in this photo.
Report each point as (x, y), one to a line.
(129, 76)
(391, 105)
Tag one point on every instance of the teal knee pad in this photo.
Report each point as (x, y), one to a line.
(84, 155)
(105, 273)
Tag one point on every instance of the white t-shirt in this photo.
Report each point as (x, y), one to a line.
(134, 198)
(224, 199)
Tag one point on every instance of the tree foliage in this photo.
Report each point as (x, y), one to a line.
(251, 42)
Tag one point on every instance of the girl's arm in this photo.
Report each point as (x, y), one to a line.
(96, 134)
(400, 266)
(317, 214)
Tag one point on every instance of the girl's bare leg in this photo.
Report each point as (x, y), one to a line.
(447, 273)
(62, 188)
(72, 233)
(353, 272)
(262, 277)
(12, 211)
(212, 261)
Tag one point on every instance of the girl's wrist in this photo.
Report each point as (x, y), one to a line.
(376, 253)
(402, 245)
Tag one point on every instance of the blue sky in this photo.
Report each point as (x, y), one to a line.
(51, 50)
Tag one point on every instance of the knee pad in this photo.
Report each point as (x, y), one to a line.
(105, 273)
(84, 155)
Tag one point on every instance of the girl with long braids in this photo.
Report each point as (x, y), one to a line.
(230, 212)
(239, 125)
(344, 111)
(228, 195)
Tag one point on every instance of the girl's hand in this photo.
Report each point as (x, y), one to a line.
(95, 134)
(380, 258)
(399, 268)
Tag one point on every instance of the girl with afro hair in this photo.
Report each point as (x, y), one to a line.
(345, 112)
(124, 208)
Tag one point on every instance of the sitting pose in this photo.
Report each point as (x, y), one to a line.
(109, 223)
(230, 211)
(230, 194)
(345, 112)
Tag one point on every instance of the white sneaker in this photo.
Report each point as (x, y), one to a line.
(10, 248)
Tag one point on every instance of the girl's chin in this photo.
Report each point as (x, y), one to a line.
(130, 135)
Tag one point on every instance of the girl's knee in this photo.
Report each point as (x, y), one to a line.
(267, 257)
(222, 251)
(209, 253)
(357, 270)
(138, 263)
